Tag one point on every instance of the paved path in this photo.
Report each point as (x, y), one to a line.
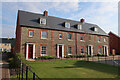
(0, 66)
(4, 68)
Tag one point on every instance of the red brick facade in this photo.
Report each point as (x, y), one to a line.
(57, 42)
(114, 43)
(18, 36)
(53, 39)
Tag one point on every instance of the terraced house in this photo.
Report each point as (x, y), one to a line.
(42, 35)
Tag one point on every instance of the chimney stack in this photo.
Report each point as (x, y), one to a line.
(45, 13)
(82, 20)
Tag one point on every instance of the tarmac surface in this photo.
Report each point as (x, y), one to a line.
(4, 68)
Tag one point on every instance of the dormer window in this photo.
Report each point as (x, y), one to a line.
(95, 29)
(67, 25)
(79, 26)
(42, 21)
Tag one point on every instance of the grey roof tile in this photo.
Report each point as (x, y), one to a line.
(31, 20)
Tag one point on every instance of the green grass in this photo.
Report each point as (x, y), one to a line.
(72, 69)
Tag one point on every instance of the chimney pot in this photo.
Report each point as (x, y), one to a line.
(45, 13)
(82, 20)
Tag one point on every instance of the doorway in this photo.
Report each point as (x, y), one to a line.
(60, 50)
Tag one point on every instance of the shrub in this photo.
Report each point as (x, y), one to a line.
(112, 55)
(67, 57)
(15, 60)
(75, 56)
(80, 55)
(45, 57)
(101, 54)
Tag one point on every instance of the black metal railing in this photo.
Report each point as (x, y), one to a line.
(24, 71)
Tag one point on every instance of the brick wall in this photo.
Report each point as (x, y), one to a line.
(53, 40)
(114, 42)
(18, 37)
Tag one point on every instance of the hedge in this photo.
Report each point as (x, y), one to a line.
(45, 57)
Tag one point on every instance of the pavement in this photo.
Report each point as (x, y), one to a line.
(108, 60)
(4, 68)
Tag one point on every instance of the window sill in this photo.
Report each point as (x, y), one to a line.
(44, 38)
(43, 55)
(70, 40)
(30, 36)
(82, 53)
(42, 23)
(69, 54)
(82, 40)
(60, 38)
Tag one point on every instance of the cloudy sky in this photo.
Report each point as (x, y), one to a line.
(104, 14)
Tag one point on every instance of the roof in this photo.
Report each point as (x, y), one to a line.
(113, 34)
(8, 41)
(31, 20)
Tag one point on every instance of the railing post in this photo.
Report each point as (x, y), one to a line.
(105, 58)
(92, 58)
(33, 76)
(118, 67)
(19, 73)
(26, 72)
(113, 59)
(98, 58)
(87, 58)
(22, 71)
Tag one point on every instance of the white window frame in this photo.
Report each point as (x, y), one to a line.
(41, 21)
(83, 50)
(80, 37)
(95, 29)
(104, 39)
(68, 36)
(69, 51)
(42, 36)
(100, 52)
(79, 26)
(66, 25)
(59, 35)
(99, 39)
(41, 51)
(31, 35)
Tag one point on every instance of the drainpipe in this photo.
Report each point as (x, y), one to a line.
(76, 42)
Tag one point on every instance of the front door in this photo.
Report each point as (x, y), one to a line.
(105, 50)
(89, 50)
(60, 50)
(30, 51)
